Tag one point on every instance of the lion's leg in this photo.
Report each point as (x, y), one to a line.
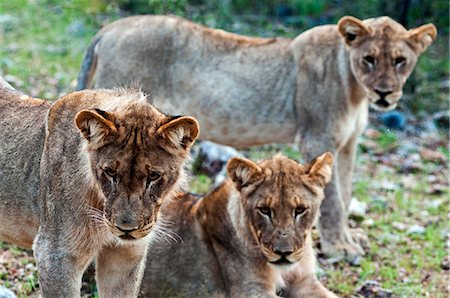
(120, 269)
(307, 287)
(346, 162)
(336, 239)
(60, 266)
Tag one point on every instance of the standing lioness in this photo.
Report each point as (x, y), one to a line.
(109, 160)
(250, 237)
(314, 89)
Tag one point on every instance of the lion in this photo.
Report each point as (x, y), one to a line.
(83, 179)
(313, 90)
(249, 237)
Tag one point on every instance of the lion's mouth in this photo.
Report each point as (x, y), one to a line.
(127, 236)
(283, 261)
(383, 105)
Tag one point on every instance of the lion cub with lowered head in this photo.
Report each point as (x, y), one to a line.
(109, 160)
(250, 237)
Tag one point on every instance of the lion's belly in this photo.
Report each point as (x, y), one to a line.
(249, 121)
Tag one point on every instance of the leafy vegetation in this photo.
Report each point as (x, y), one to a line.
(401, 176)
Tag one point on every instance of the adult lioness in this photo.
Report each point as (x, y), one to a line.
(250, 237)
(314, 89)
(100, 190)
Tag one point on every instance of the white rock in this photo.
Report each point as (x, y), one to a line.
(435, 203)
(399, 226)
(6, 293)
(415, 229)
(357, 208)
(369, 222)
(388, 185)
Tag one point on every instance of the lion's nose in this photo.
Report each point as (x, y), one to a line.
(283, 247)
(283, 252)
(383, 93)
(126, 224)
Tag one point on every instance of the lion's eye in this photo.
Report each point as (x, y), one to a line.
(110, 172)
(264, 210)
(369, 60)
(300, 210)
(399, 61)
(153, 176)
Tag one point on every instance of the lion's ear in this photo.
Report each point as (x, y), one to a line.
(351, 29)
(422, 37)
(244, 172)
(320, 170)
(95, 124)
(180, 133)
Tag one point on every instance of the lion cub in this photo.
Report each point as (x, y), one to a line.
(250, 237)
(107, 161)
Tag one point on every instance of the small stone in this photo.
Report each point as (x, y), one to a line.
(357, 208)
(399, 226)
(211, 158)
(445, 264)
(373, 289)
(431, 155)
(8, 23)
(416, 229)
(334, 260)
(356, 262)
(369, 222)
(388, 185)
(372, 133)
(6, 293)
(444, 85)
(379, 203)
(369, 145)
(436, 189)
(442, 119)
(76, 28)
(435, 203)
(409, 181)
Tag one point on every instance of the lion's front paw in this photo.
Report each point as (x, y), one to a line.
(344, 247)
(361, 238)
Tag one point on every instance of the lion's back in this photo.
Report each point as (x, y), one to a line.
(22, 134)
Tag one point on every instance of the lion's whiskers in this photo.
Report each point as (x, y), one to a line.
(162, 232)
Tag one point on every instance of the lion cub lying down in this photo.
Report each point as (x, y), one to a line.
(250, 237)
(109, 160)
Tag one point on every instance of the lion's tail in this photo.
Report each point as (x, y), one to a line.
(88, 65)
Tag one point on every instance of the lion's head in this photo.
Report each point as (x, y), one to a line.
(136, 157)
(383, 54)
(280, 200)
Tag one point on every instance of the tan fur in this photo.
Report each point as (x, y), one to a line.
(105, 170)
(22, 135)
(314, 90)
(231, 246)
